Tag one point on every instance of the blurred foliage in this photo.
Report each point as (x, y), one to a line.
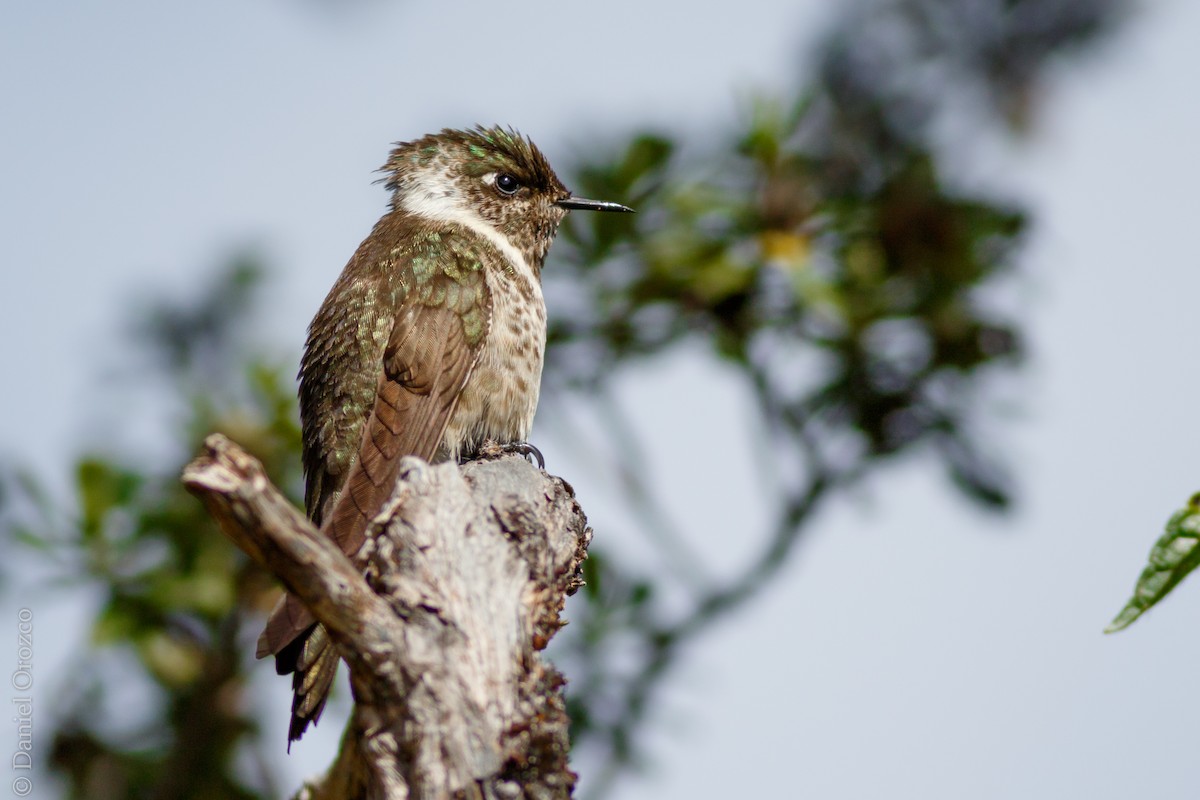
(1172, 559)
(822, 249)
(174, 595)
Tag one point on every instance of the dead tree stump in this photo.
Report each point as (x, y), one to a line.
(440, 617)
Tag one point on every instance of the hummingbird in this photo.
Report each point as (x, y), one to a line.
(429, 344)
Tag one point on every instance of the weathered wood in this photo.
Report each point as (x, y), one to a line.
(459, 585)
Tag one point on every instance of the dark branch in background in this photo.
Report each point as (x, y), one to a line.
(832, 239)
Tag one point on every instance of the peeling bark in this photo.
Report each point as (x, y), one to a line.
(441, 619)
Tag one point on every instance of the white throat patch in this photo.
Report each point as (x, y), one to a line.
(433, 196)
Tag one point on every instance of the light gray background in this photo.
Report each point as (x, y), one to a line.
(915, 649)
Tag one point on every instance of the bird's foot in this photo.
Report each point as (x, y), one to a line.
(492, 449)
(527, 450)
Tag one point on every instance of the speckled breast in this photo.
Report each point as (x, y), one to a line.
(501, 395)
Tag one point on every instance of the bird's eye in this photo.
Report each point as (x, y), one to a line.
(507, 184)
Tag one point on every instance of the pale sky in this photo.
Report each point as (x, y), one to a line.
(915, 649)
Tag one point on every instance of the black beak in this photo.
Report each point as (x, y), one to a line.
(580, 204)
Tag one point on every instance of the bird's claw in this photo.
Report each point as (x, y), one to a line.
(493, 449)
(525, 449)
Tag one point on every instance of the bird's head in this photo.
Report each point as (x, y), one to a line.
(489, 180)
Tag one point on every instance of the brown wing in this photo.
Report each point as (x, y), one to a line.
(426, 363)
(425, 366)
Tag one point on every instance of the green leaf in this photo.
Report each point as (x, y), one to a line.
(102, 486)
(31, 538)
(1171, 559)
